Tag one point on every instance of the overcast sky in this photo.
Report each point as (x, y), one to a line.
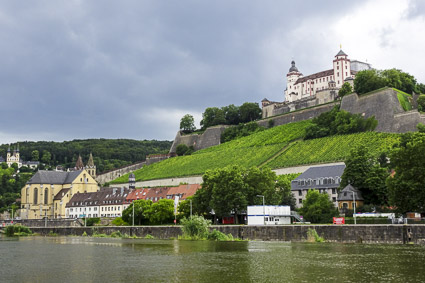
(131, 69)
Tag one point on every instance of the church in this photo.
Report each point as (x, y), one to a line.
(315, 89)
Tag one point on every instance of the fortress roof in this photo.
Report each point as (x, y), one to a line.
(341, 53)
(316, 76)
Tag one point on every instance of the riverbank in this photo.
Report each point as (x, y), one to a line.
(388, 234)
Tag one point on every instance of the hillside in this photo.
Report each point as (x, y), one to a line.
(107, 153)
(276, 147)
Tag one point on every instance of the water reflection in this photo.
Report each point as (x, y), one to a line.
(80, 259)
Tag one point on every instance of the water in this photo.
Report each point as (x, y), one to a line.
(80, 259)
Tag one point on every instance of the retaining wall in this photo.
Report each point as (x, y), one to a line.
(391, 234)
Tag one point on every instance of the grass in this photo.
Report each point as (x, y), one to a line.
(404, 99)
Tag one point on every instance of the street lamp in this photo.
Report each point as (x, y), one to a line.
(264, 210)
(190, 208)
(354, 207)
(133, 213)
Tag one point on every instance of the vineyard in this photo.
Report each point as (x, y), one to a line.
(248, 151)
(260, 149)
(332, 149)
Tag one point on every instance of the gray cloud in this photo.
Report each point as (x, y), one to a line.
(82, 69)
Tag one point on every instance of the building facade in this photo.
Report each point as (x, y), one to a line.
(325, 179)
(47, 193)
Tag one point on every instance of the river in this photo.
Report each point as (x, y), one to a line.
(83, 259)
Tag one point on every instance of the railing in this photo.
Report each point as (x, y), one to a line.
(297, 216)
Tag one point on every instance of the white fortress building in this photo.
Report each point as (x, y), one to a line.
(315, 89)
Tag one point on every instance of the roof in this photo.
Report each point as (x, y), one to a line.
(54, 177)
(347, 194)
(155, 194)
(60, 194)
(136, 194)
(90, 163)
(293, 68)
(314, 173)
(341, 53)
(184, 190)
(1, 159)
(316, 76)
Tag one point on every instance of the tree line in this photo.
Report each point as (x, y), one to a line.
(108, 154)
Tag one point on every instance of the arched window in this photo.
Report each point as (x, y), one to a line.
(35, 195)
(27, 194)
(46, 195)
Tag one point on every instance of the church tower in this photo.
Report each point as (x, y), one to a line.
(132, 181)
(291, 93)
(90, 167)
(79, 165)
(342, 68)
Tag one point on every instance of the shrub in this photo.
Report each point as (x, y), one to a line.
(195, 227)
(149, 236)
(116, 234)
(16, 230)
(215, 235)
(92, 221)
(181, 149)
(312, 236)
(118, 221)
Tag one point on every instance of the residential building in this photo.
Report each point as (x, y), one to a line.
(326, 179)
(183, 191)
(156, 194)
(135, 194)
(112, 202)
(47, 193)
(349, 197)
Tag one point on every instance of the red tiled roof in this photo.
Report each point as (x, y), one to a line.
(155, 194)
(184, 190)
(316, 76)
(136, 194)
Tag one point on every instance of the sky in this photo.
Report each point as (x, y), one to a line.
(77, 69)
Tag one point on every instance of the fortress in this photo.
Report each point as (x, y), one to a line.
(319, 88)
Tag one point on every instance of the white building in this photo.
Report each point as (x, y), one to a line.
(269, 215)
(300, 87)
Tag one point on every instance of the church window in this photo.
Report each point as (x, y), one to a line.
(46, 195)
(35, 195)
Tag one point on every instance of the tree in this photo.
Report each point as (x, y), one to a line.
(181, 149)
(141, 212)
(231, 114)
(406, 186)
(364, 172)
(249, 112)
(318, 208)
(283, 190)
(345, 89)
(339, 122)
(187, 123)
(184, 208)
(231, 189)
(35, 155)
(212, 116)
(161, 212)
(420, 88)
(421, 102)
(46, 157)
(399, 80)
(368, 80)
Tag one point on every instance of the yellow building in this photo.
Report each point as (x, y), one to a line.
(48, 192)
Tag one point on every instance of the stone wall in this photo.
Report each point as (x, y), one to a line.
(210, 137)
(391, 234)
(112, 175)
(386, 108)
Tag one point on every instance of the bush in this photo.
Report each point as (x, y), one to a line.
(92, 221)
(119, 222)
(195, 227)
(312, 236)
(215, 235)
(421, 102)
(16, 230)
(181, 149)
(149, 236)
(116, 234)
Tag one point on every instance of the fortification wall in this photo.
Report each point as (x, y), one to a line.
(386, 108)
(389, 234)
(210, 137)
(112, 175)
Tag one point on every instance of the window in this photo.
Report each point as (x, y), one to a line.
(46, 195)
(35, 195)
(334, 199)
(300, 201)
(333, 191)
(300, 193)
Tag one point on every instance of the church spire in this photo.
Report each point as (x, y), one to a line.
(79, 165)
(90, 163)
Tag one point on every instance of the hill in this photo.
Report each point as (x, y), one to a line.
(277, 147)
(107, 153)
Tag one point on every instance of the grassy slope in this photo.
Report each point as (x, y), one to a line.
(247, 151)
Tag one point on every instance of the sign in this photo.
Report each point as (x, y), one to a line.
(339, 220)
